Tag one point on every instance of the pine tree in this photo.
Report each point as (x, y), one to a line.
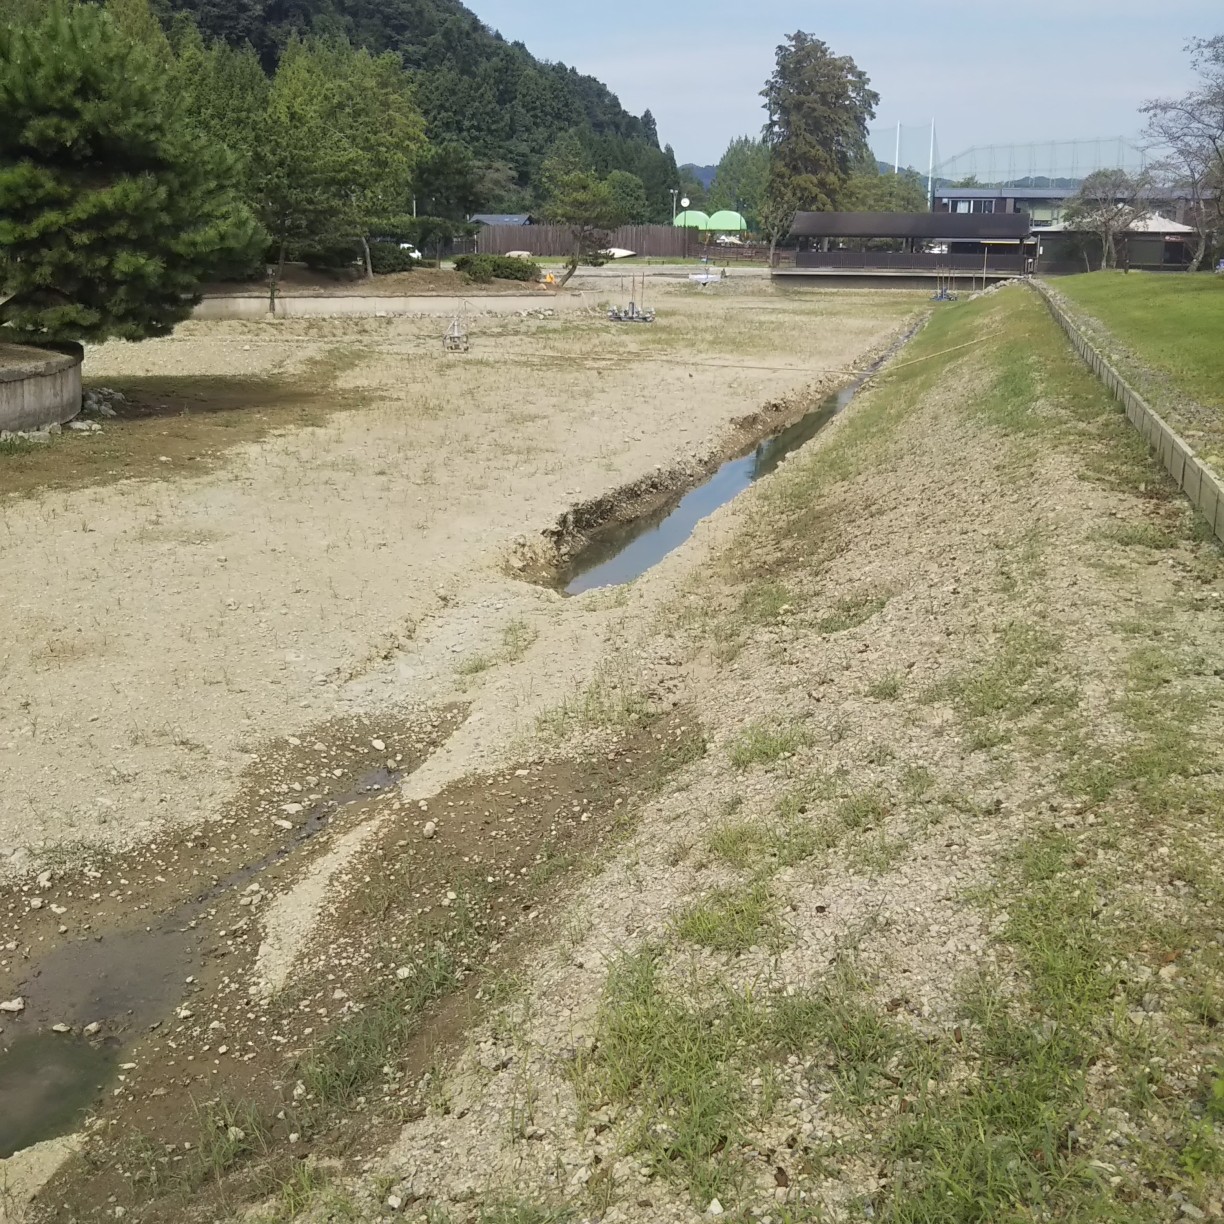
(819, 105)
(112, 212)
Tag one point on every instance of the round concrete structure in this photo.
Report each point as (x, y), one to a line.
(38, 387)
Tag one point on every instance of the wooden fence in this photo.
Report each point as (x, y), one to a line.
(904, 261)
(557, 241)
(1195, 479)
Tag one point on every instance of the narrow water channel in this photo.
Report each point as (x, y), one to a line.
(622, 553)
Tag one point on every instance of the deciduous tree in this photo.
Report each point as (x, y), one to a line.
(578, 198)
(1107, 204)
(867, 190)
(113, 211)
(447, 182)
(628, 196)
(1190, 130)
(743, 173)
(304, 166)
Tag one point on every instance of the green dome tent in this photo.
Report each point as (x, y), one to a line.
(692, 219)
(727, 222)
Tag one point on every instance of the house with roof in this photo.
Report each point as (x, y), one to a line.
(1045, 205)
(502, 219)
(1151, 242)
(909, 249)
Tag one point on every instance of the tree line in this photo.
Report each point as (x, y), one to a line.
(475, 91)
(140, 156)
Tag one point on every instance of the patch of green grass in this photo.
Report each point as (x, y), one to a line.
(852, 612)
(764, 602)
(683, 746)
(1171, 323)
(228, 1133)
(519, 1211)
(917, 781)
(612, 701)
(863, 811)
(767, 743)
(878, 854)
(473, 665)
(769, 845)
(731, 919)
(886, 688)
(1017, 684)
(685, 1059)
(518, 637)
(740, 843)
(349, 1061)
(19, 446)
(304, 1188)
(1136, 535)
(1165, 763)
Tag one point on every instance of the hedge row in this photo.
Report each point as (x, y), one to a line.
(484, 268)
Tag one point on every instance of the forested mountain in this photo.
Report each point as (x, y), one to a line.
(474, 87)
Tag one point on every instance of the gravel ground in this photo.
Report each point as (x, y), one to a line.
(813, 631)
(162, 631)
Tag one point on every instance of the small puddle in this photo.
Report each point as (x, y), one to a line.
(127, 982)
(619, 554)
(47, 1081)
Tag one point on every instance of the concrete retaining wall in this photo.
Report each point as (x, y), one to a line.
(256, 307)
(38, 388)
(1195, 479)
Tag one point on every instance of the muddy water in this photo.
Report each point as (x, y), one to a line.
(46, 1081)
(623, 553)
(125, 982)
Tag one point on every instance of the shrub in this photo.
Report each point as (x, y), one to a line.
(484, 268)
(331, 257)
(386, 257)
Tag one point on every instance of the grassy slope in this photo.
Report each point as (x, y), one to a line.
(1083, 1080)
(1172, 323)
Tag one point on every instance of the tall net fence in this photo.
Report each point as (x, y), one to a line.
(907, 146)
(1039, 163)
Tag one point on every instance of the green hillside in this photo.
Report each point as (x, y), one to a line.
(474, 87)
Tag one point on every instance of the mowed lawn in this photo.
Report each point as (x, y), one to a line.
(1171, 322)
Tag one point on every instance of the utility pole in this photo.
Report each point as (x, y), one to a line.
(931, 171)
(897, 155)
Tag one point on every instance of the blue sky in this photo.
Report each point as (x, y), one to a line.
(989, 73)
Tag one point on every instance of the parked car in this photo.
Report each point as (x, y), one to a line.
(728, 240)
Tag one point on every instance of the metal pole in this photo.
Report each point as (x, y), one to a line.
(931, 171)
(897, 155)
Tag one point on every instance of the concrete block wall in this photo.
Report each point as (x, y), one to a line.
(38, 387)
(1193, 477)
